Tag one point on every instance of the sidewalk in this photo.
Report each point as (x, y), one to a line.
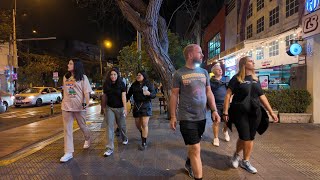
(285, 151)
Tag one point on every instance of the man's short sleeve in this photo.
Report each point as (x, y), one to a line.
(233, 83)
(123, 87)
(176, 80)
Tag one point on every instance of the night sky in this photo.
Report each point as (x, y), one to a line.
(65, 20)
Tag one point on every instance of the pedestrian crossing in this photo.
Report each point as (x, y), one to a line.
(21, 114)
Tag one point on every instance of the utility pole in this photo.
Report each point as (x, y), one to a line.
(139, 49)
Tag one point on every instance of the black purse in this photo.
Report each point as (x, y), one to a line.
(245, 105)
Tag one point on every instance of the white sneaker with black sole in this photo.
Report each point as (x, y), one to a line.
(108, 152)
(66, 157)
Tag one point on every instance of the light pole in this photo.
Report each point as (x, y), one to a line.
(107, 44)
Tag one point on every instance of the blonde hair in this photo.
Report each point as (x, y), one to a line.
(188, 49)
(242, 70)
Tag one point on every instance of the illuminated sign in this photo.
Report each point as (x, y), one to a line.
(230, 62)
(312, 5)
(295, 49)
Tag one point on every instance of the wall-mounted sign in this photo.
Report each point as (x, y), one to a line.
(230, 62)
(264, 81)
(266, 63)
(312, 5)
(311, 25)
(295, 49)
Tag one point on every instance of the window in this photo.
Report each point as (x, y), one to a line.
(249, 31)
(260, 4)
(292, 7)
(260, 25)
(259, 52)
(214, 46)
(274, 16)
(249, 53)
(288, 38)
(273, 48)
(249, 14)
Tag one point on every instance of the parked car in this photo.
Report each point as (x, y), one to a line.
(36, 96)
(7, 99)
(96, 93)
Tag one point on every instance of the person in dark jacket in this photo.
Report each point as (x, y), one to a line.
(247, 122)
(142, 91)
(219, 90)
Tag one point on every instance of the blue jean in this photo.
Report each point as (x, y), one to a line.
(115, 115)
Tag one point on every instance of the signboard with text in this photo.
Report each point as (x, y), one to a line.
(311, 24)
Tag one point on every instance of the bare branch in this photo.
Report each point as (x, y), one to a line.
(138, 5)
(174, 13)
(163, 36)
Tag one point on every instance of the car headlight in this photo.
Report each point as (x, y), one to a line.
(92, 92)
(31, 97)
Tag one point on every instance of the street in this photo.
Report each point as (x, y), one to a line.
(16, 117)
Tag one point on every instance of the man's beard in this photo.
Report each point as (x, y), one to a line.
(197, 61)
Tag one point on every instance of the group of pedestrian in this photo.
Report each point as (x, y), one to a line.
(76, 98)
(192, 93)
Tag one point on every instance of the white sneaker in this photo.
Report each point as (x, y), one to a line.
(226, 135)
(235, 160)
(86, 144)
(247, 166)
(66, 157)
(108, 152)
(125, 142)
(215, 142)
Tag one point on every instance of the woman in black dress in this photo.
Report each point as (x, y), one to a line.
(245, 83)
(142, 91)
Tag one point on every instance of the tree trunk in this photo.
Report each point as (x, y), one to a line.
(146, 19)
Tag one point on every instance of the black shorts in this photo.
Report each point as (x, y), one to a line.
(247, 124)
(142, 109)
(192, 131)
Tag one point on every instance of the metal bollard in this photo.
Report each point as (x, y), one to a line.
(51, 108)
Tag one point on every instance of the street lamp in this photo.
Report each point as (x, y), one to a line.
(107, 44)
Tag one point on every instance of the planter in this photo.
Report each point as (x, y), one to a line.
(270, 118)
(295, 117)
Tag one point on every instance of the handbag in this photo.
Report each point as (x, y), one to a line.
(245, 105)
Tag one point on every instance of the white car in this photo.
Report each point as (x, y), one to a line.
(36, 96)
(6, 99)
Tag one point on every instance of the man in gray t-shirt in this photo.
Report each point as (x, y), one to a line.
(192, 88)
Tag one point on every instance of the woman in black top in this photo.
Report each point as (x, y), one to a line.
(245, 82)
(114, 101)
(142, 91)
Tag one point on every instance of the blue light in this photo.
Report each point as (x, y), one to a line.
(312, 5)
(295, 49)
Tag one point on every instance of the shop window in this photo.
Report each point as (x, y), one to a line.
(274, 16)
(273, 48)
(214, 46)
(259, 53)
(249, 14)
(288, 38)
(292, 7)
(249, 31)
(260, 25)
(260, 4)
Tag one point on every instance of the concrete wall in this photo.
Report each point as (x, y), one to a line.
(284, 24)
(231, 29)
(313, 74)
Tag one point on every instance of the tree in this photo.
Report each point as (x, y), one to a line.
(128, 58)
(38, 69)
(5, 25)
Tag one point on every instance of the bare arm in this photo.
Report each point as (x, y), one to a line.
(212, 104)
(265, 102)
(227, 101)
(173, 107)
(103, 101)
(211, 99)
(124, 102)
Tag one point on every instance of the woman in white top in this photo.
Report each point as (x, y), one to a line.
(76, 90)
